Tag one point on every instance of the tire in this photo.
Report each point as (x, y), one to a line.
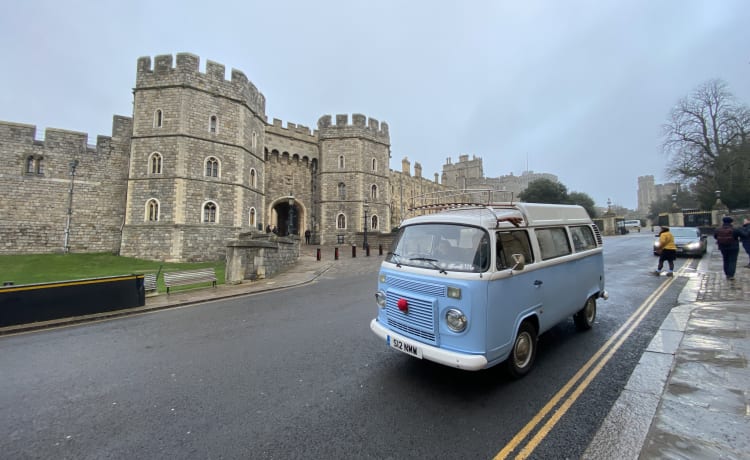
(586, 316)
(523, 354)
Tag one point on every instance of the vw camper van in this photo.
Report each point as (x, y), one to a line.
(472, 285)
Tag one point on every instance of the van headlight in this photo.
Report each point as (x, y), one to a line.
(380, 299)
(456, 320)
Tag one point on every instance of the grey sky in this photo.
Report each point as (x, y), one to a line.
(579, 89)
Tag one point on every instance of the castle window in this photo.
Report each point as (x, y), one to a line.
(209, 212)
(152, 210)
(341, 162)
(252, 217)
(30, 165)
(154, 163)
(253, 178)
(342, 191)
(212, 167)
(374, 164)
(158, 118)
(40, 166)
(213, 124)
(374, 223)
(374, 192)
(255, 141)
(341, 222)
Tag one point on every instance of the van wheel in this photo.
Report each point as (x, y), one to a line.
(585, 317)
(522, 355)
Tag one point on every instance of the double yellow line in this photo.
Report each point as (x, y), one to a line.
(564, 399)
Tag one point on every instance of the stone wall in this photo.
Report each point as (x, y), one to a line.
(36, 189)
(258, 255)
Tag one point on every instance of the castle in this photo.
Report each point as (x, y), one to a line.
(198, 164)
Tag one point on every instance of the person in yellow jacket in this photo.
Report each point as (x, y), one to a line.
(667, 251)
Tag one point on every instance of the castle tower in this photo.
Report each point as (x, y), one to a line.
(197, 169)
(354, 177)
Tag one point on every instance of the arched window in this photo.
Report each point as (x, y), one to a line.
(212, 167)
(374, 222)
(152, 210)
(341, 162)
(209, 212)
(342, 191)
(374, 164)
(155, 163)
(252, 217)
(158, 118)
(374, 192)
(30, 164)
(213, 124)
(253, 178)
(341, 222)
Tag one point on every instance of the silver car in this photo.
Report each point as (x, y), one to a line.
(688, 240)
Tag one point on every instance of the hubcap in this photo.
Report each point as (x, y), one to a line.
(590, 311)
(522, 352)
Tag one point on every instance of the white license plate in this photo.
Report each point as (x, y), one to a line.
(405, 347)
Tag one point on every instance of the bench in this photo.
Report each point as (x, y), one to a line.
(185, 277)
(149, 282)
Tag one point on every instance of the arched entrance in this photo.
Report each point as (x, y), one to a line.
(289, 216)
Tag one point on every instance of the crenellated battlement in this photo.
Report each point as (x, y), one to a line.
(361, 126)
(293, 128)
(64, 140)
(185, 71)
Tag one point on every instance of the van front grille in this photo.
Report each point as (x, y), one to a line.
(419, 320)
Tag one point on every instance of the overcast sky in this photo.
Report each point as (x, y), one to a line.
(579, 89)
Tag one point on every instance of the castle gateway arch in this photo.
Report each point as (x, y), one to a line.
(288, 214)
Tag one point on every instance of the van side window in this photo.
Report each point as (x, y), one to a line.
(583, 238)
(553, 242)
(509, 243)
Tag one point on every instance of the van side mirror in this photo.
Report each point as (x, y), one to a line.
(519, 261)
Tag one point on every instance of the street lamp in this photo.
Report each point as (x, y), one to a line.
(366, 206)
(73, 165)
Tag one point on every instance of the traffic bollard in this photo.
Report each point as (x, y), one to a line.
(336, 254)
(318, 254)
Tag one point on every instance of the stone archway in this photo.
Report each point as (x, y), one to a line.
(288, 215)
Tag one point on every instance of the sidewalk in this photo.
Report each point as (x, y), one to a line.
(689, 396)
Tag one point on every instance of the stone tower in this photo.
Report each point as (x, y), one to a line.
(197, 169)
(354, 177)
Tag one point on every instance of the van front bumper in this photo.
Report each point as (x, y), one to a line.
(431, 353)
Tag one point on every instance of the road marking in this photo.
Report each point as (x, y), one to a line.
(618, 338)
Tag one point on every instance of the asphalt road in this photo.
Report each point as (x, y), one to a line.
(298, 374)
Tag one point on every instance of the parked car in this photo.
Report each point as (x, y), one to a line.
(688, 240)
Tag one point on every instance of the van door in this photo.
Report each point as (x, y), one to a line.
(559, 283)
(511, 293)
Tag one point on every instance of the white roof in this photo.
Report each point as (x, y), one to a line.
(532, 214)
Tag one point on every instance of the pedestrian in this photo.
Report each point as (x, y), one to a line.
(667, 251)
(275, 230)
(728, 239)
(307, 236)
(268, 228)
(745, 238)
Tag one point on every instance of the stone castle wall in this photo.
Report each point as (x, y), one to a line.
(34, 203)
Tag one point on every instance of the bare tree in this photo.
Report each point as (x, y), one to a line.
(701, 135)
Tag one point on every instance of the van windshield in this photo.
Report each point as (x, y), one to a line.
(442, 247)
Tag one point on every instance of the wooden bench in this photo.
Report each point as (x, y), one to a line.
(149, 282)
(185, 277)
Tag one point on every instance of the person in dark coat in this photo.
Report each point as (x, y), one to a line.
(745, 238)
(307, 236)
(728, 240)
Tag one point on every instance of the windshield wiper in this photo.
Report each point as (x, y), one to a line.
(397, 258)
(431, 262)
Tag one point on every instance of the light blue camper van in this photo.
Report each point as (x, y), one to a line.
(473, 285)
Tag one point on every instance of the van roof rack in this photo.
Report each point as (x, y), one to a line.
(447, 200)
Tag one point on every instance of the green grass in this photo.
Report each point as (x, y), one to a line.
(43, 268)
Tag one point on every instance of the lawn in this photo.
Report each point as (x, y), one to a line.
(42, 268)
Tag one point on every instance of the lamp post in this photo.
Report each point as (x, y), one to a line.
(366, 206)
(290, 216)
(73, 165)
